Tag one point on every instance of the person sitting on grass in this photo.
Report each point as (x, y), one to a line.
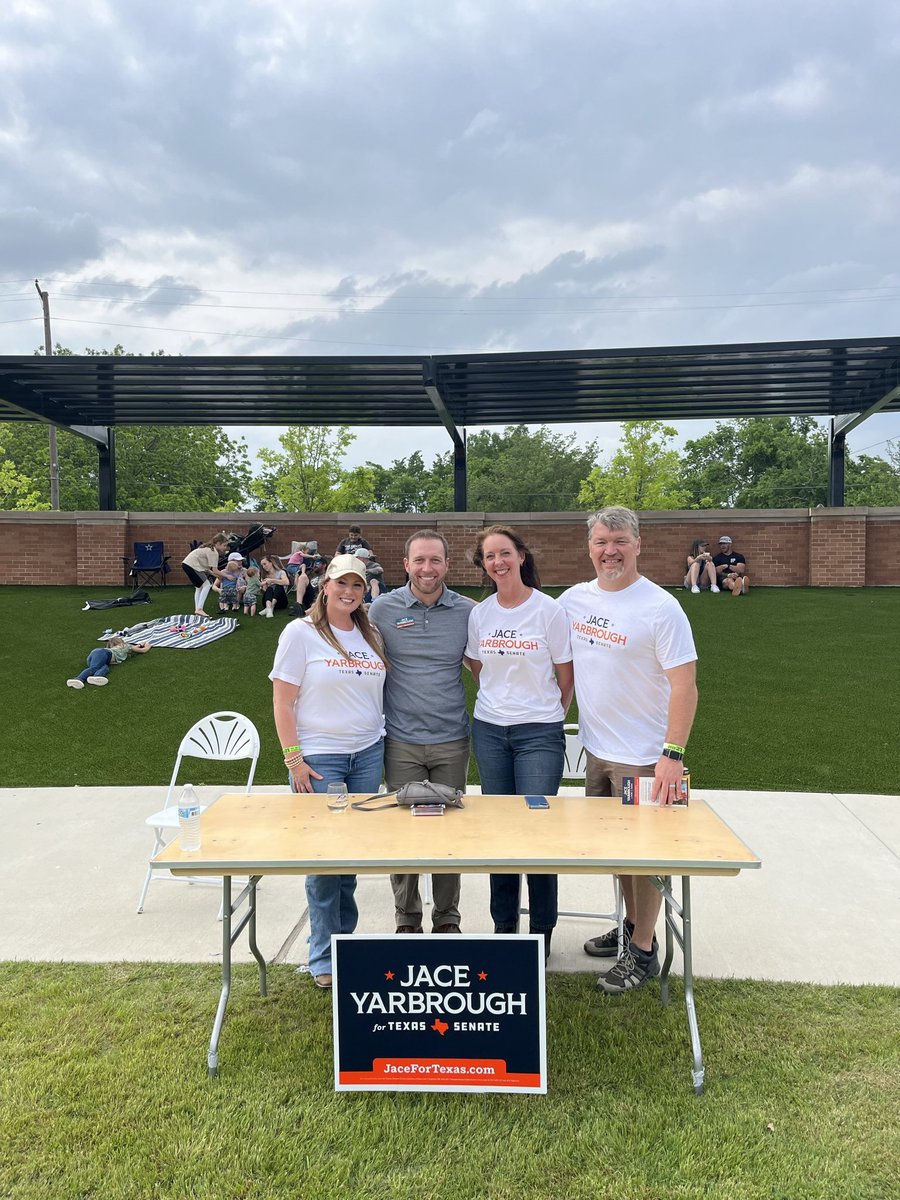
(232, 584)
(275, 583)
(102, 658)
(374, 574)
(701, 572)
(731, 568)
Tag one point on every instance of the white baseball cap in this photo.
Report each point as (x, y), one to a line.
(345, 564)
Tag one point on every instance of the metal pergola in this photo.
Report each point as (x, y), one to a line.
(846, 381)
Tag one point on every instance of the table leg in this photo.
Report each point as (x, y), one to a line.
(251, 934)
(699, 1070)
(666, 890)
(212, 1054)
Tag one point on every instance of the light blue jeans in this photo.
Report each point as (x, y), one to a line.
(332, 898)
(98, 663)
(526, 760)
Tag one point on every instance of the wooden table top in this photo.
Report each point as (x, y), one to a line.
(278, 834)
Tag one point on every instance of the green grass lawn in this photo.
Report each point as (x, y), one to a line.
(798, 691)
(104, 1093)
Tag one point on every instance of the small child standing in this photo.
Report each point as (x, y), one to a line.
(251, 592)
(232, 584)
(102, 658)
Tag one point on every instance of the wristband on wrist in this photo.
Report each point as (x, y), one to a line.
(290, 749)
(670, 750)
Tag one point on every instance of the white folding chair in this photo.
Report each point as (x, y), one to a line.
(575, 764)
(219, 737)
(575, 769)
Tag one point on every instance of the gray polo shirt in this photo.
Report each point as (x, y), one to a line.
(424, 698)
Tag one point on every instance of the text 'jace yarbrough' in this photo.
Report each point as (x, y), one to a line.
(440, 1003)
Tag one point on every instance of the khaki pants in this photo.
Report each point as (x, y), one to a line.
(439, 762)
(603, 778)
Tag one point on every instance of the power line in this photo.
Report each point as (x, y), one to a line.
(218, 334)
(387, 295)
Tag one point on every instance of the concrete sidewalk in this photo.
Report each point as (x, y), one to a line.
(824, 908)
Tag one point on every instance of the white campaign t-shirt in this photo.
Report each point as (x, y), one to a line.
(339, 708)
(622, 643)
(517, 648)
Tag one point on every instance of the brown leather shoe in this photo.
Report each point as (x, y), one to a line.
(448, 928)
(322, 981)
(409, 929)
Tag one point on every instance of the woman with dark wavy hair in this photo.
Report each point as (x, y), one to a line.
(521, 659)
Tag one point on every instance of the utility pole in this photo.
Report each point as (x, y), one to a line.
(48, 349)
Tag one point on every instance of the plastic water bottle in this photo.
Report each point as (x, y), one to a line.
(189, 818)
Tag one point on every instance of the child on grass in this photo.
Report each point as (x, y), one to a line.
(101, 659)
(251, 592)
(232, 584)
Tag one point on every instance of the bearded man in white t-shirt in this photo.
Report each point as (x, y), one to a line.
(635, 682)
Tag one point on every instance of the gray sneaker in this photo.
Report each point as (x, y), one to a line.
(98, 680)
(607, 945)
(632, 970)
(74, 683)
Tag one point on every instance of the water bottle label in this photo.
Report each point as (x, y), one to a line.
(185, 814)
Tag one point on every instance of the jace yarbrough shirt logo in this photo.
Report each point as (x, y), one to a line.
(355, 664)
(598, 631)
(507, 641)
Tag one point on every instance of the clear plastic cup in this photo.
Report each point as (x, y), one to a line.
(337, 798)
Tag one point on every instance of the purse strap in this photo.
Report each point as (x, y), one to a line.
(364, 805)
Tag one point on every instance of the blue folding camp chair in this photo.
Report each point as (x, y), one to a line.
(150, 564)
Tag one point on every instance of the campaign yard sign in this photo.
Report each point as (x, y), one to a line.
(434, 1014)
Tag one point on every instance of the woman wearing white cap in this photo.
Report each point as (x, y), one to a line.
(328, 683)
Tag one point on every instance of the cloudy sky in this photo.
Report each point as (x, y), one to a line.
(406, 176)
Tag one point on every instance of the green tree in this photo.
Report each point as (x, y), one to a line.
(758, 462)
(516, 471)
(643, 474)
(306, 475)
(159, 468)
(403, 487)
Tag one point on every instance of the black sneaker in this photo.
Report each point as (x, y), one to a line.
(607, 945)
(632, 970)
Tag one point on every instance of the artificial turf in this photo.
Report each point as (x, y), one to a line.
(798, 691)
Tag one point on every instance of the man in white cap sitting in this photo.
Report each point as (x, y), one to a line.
(731, 568)
(374, 574)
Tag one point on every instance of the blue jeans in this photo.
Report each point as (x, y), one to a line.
(331, 898)
(97, 663)
(525, 760)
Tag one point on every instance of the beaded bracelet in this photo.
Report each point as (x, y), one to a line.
(293, 760)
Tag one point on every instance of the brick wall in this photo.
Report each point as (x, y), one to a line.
(848, 547)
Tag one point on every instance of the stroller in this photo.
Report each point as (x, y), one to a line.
(256, 536)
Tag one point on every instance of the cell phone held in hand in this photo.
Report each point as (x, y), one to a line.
(537, 802)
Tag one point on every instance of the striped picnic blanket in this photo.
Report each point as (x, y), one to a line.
(178, 632)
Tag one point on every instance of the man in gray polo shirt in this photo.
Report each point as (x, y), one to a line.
(425, 628)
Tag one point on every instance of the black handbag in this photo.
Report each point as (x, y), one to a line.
(414, 793)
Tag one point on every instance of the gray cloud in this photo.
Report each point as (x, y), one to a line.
(424, 177)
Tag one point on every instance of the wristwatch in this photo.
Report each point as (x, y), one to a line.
(678, 755)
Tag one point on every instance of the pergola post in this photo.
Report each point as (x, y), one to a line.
(432, 388)
(107, 472)
(837, 442)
